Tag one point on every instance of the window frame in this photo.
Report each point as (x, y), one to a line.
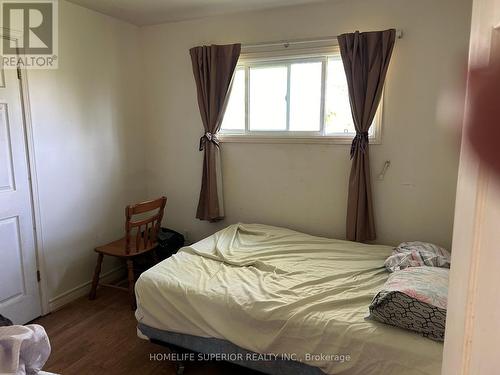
(280, 57)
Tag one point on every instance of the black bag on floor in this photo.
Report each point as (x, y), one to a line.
(169, 241)
(5, 321)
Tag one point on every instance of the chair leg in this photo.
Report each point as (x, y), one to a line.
(155, 256)
(95, 280)
(131, 283)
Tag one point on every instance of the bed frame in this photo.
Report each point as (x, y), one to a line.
(180, 343)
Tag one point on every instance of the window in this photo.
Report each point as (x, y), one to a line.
(286, 95)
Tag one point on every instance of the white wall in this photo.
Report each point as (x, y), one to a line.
(87, 131)
(305, 186)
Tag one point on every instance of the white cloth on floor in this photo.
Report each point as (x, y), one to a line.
(23, 349)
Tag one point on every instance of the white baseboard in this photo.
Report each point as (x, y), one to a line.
(83, 289)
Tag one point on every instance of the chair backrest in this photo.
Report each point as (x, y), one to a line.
(142, 233)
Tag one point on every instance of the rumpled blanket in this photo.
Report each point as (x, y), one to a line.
(272, 290)
(23, 349)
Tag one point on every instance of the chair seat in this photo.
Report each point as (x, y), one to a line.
(118, 249)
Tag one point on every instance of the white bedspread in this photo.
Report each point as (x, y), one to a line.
(274, 290)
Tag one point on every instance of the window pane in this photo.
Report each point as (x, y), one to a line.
(268, 88)
(305, 93)
(338, 118)
(234, 118)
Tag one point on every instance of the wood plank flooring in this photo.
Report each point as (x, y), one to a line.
(99, 337)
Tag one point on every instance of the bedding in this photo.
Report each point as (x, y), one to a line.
(414, 299)
(274, 290)
(417, 254)
(23, 349)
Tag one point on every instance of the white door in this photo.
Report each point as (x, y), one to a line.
(19, 292)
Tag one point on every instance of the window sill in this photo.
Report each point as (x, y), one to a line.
(239, 138)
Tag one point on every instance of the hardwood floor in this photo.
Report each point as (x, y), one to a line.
(99, 337)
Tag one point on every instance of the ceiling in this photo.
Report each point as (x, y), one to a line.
(149, 12)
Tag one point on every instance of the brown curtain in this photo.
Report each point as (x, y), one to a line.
(366, 58)
(213, 69)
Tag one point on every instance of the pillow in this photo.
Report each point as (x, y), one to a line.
(414, 299)
(416, 254)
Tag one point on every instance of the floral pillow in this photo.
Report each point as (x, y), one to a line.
(415, 299)
(417, 254)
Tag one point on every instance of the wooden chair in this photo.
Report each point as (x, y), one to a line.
(140, 237)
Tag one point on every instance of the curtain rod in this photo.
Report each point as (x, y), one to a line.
(286, 43)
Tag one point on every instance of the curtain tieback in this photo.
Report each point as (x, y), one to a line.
(360, 141)
(208, 137)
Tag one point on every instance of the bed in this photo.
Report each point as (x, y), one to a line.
(254, 288)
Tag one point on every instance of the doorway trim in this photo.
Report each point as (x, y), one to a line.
(35, 200)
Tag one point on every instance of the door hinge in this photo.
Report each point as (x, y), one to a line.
(18, 72)
(38, 278)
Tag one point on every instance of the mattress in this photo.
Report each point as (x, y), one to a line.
(209, 348)
(275, 291)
